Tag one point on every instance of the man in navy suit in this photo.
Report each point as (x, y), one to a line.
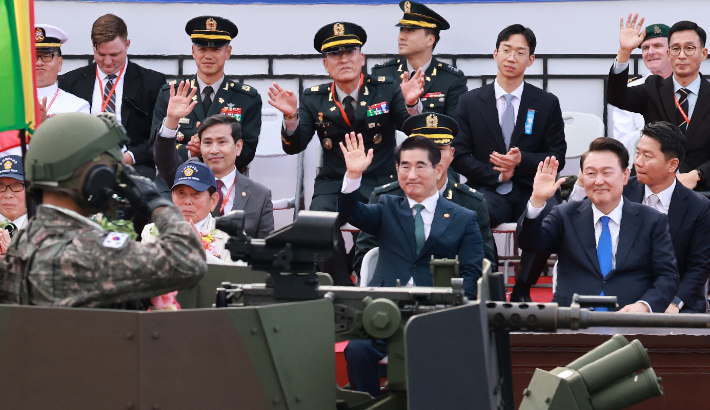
(409, 230)
(605, 245)
(505, 129)
(659, 153)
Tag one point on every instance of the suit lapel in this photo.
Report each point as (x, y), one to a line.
(630, 224)
(438, 224)
(667, 99)
(241, 192)
(85, 85)
(530, 94)
(635, 191)
(131, 88)
(701, 107)
(489, 111)
(365, 95)
(677, 209)
(584, 226)
(406, 222)
(220, 92)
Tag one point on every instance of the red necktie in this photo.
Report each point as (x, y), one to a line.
(220, 184)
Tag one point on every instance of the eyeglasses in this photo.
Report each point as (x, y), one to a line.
(337, 55)
(46, 57)
(419, 169)
(688, 50)
(517, 55)
(17, 187)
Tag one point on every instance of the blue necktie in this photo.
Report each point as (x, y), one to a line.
(507, 125)
(604, 253)
(419, 227)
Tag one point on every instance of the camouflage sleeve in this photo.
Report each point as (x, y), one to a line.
(98, 274)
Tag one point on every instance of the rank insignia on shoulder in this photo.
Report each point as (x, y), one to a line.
(115, 240)
(184, 120)
(439, 64)
(246, 88)
(172, 82)
(381, 79)
(453, 68)
(472, 190)
(386, 186)
(315, 88)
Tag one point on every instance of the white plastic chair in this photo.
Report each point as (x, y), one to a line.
(368, 266)
(580, 130)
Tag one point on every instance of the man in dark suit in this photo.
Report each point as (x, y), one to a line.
(682, 99)
(441, 129)
(605, 245)
(419, 31)
(220, 145)
(410, 230)
(216, 93)
(658, 154)
(114, 84)
(505, 130)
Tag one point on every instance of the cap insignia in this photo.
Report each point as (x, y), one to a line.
(211, 24)
(7, 164)
(188, 171)
(656, 30)
(407, 7)
(432, 121)
(39, 35)
(338, 29)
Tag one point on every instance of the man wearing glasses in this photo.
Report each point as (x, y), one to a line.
(13, 208)
(52, 100)
(682, 99)
(354, 102)
(505, 129)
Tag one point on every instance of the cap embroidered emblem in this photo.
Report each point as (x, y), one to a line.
(188, 172)
(39, 34)
(656, 30)
(432, 121)
(7, 164)
(211, 24)
(407, 7)
(338, 29)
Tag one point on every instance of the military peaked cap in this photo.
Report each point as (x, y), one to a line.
(440, 129)
(211, 31)
(417, 15)
(339, 36)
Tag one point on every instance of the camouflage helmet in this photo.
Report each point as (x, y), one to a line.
(65, 142)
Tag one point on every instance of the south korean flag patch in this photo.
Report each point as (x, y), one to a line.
(115, 240)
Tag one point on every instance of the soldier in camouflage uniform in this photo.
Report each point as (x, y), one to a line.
(418, 35)
(65, 259)
(441, 129)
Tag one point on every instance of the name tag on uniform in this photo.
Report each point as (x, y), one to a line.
(115, 240)
(529, 122)
(184, 120)
(377, 109)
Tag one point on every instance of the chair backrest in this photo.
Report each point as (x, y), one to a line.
(368, 266)
(580, 130)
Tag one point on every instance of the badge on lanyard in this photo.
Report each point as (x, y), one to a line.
(529, 122)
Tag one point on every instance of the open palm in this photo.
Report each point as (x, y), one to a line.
(181, 101)
(356, 161)
(629, 37)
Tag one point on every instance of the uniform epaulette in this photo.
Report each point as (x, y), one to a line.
(634, 78)
(318, 89)
(393, 61)
(467, 190)
(392, 186)
(450, 68)
(239, 87)
(381, 79)
(175, 82)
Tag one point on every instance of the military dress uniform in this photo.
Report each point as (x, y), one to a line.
(241, 101)
(443, 83)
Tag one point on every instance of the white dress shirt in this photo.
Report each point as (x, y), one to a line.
(215, 86)
(228, 181)
(19, 222)
(100, 84)
(627, 125)
(664, 198)
(201, 224)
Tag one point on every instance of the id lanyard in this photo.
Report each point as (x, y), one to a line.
(342, 111)
(56, 93)
(226, 198)
(110, 93)
(677, 104)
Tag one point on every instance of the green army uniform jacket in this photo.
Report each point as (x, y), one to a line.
(458, 193)
(239, 100)
(65, 259)
(380, 111)
(443, 84)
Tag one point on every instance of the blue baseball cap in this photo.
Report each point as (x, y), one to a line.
(11, 167)
(196, 175)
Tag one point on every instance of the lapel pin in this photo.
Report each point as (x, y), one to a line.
(244, 194)
(446, 215)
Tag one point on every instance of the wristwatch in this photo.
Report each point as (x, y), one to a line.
(678, 302)
(701, 175)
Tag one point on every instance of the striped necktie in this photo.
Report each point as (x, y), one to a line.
(683, 101)
(111, 106)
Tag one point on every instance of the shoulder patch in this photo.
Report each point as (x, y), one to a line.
(115, 240)
(463, 188)
(244, 88)
(317, 89)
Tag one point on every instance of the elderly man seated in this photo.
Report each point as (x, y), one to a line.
(13, 208)
(195, 193)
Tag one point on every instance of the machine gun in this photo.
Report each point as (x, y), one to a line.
(438, 340)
